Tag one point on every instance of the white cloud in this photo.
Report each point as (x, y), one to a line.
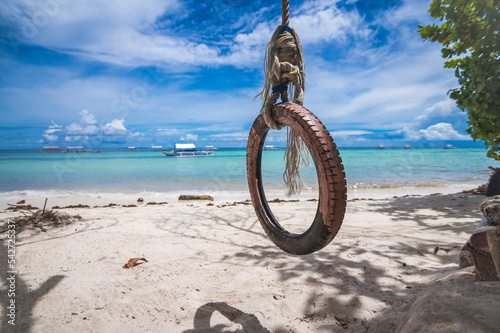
(86, 131)
(50, 137)
(49, 133)
(440, 132)
(409, 10)
(78, 129)
(84, 127)
(341, 134)
(228, 137)
(319, 21)
(443, 110)
(116, 124)
(76, 138)
(169, 131)
(189, 137)
(87, 117)
(436, 123)
(127, 33)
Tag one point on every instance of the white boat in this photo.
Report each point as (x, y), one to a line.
(157, 148)
(211, 148)
(381, 147)
(406, 147)
(448, 147)
(186, 150)
(269, 147)
(50, 149)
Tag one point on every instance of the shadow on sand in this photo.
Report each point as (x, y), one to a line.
(25, 299)
(248, 322)
(340, 285)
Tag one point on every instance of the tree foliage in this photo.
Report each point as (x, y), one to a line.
(470, 37)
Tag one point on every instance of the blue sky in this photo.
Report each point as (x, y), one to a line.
(154, 72)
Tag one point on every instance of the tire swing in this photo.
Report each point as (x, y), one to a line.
(306, 132)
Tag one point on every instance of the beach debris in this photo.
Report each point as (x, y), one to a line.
(40, 219)
(437, 248)
(278, 200)
(108, 205)
(129, 205)
(480, 190)
(21, 207)
(196, 197)
(132, 262)
(235, 203)
(157, 203)
(21, 202)
(72, 206)
(357, 283)
(140, 200)
(342, 322)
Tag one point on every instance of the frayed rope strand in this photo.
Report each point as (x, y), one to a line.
(296, 155)
(284, 71)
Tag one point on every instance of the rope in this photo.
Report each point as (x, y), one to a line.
(285, 8)
(284, 70)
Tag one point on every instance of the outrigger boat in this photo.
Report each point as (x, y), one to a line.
(211, 148)
(186, 150)
(269, 147)
(51, 149)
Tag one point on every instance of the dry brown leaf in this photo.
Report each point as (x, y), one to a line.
(132, 262)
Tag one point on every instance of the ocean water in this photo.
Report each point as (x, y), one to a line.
(225, 171)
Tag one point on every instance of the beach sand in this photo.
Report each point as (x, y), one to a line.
(211, 268)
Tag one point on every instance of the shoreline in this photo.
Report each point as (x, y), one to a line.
(94, 198)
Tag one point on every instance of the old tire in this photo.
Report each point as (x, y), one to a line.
(331, 180)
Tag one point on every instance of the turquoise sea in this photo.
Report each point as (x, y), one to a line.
(113, 171)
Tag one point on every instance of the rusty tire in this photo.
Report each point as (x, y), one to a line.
(331, 180)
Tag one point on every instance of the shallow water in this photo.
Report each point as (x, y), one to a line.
(225, 171)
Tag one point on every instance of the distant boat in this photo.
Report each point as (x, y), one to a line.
(157, 148)
(79, 149)
(186, 150)
(269, 147)
(448, 147)
(406, 147)
(50, 149)
(381, 147)
(211, 148)
(131, 148)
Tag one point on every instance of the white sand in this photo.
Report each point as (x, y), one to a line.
(213, 269)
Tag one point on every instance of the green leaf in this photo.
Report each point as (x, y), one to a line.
(471, 28)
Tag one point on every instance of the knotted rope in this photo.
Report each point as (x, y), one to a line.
(285, 76)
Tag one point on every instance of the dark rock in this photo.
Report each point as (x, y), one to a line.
(465, 258)
(491, 210)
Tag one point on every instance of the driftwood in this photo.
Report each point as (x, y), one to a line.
(196, 197)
